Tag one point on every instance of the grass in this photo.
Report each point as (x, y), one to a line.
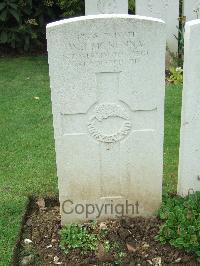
(27, 161)
(172, 133)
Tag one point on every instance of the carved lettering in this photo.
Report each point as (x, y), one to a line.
(107, 6)
(110, 48)
(159, 8)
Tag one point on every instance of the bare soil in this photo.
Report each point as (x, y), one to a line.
(135, 238)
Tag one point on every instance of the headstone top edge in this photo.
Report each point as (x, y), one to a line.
(103, 16)
(192, 23)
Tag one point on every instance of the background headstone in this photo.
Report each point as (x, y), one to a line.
(191, 9)
(95, 7)
(189, 159)
(168, 11)
(107, 78)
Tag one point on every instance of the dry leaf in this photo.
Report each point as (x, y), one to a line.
(102, 226)
(27, 260)
(130, 248)
(56, 260)
(145, 245)
(157, 261)
(41, 204)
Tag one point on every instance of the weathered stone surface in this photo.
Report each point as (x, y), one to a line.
(95, 7)
(168, 11)
(189, 164)
(191, 9)
(108, 80)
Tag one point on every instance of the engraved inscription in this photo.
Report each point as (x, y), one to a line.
(103, 112)
(150, 6)
(156, 10)
(107, 6)
(105, 48)
(196, 9)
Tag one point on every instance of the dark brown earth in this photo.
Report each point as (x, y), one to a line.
(135, 238)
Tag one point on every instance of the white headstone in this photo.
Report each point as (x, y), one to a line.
(189, 161)
(168, 11)
(191, 9)
(108, 81)
(95, 7)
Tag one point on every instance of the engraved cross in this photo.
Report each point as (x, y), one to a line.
(109, 124)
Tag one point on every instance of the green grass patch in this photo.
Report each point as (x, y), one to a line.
(172, 133)
(27, 161)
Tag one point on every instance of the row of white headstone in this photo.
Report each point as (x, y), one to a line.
(107, 76)
(189, 155)
(167, 10)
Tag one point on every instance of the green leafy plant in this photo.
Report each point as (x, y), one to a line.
(9, 9)
(22, 23)
(107, 245)
(131, 6)
(89, 239)
(72, 8)
(176, 75)
(182, 222)
(77, 237)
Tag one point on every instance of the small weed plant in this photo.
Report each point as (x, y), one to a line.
(176, 75)
(182, 222)
(76, 236)
(89, 239)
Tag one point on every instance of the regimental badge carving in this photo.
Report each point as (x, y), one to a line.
(107, 6)
(165, 3)
(196, 9)
(155, 10)
(150, 6)
(103, 112)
